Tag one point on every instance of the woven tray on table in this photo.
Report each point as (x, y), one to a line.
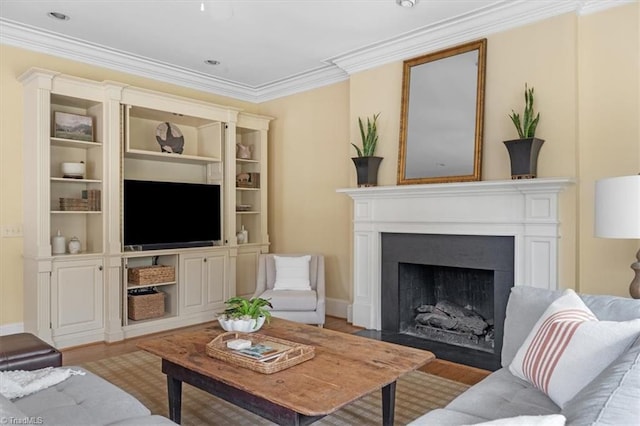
(296, 353)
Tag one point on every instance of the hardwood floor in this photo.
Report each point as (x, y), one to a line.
(93, 352)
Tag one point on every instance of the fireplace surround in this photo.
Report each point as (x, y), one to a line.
(472, 274)
(524, 210)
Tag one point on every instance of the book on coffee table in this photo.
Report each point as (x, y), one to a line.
(262, 351)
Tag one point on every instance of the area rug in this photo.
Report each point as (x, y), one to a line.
(139, 374)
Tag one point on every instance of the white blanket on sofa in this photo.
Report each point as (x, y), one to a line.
(19, 383)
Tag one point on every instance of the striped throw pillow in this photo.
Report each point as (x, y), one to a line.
(568, 347)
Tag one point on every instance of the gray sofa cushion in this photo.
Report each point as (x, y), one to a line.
(527, 304)
(524, 308)
(9, 410)
(612, 398)
(82, 400)
(501, 395)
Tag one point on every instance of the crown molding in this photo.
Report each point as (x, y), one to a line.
(592, 6)
(302, 82)
(477, 24)
(50, 43)
(497, 17)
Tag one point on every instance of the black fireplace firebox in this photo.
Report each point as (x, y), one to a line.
(447, 294)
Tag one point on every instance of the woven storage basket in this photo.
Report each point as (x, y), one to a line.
(151, 274)
(145, 306)
(217, 348)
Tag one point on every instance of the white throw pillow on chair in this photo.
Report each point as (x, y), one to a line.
(292, 273)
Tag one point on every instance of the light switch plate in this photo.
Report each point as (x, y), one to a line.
(12, 231)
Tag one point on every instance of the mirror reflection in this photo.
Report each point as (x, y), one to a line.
(442, 111)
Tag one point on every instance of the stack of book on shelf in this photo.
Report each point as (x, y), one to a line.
(93, 198)
(74, 204)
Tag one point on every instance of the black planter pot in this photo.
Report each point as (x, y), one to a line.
(524, 157)
(367, 170)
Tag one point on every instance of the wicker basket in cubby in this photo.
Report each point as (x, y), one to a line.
(155, 274)
(145, 306)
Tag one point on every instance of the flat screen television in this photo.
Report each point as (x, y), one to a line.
(165, 215)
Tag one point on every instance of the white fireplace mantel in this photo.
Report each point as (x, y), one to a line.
(525, 209)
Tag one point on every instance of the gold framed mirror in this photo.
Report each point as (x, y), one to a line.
(442, 115)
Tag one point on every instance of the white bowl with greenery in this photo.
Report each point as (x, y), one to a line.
(241, 325)
(245, 315)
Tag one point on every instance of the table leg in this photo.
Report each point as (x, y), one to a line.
(388, 404)
(174, 390)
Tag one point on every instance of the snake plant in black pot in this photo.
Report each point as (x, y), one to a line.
(523, 152)
(366, 162)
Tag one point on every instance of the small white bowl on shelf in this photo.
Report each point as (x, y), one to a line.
(73, 170)
(241, 325)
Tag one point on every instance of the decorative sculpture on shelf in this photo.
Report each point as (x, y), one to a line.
(243, 151)
(170, 138)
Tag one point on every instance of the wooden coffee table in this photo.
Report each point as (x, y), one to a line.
(345, 368)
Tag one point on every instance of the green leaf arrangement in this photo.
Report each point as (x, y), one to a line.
(369, 136)
(242, 308)
(526, 128)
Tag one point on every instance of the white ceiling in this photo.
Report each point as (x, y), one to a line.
(266, 48)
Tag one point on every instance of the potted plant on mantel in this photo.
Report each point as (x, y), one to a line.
(366, 163)
(524, 151)
(245, 315)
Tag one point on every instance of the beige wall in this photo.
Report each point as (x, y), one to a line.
(585, 70)
(308, 160)
(609, 135)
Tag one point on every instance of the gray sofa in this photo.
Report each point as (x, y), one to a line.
(613, 398)
(85, 400)
(79, 400)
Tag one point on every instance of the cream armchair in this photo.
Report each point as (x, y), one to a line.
(300, 305)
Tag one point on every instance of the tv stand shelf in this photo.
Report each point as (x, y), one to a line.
(77, 299)
(134, 287)
(166, 156)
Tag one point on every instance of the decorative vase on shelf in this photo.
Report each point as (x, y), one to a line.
(243, 151)
(367, 170)
(58, 244)
(524, 157)
(74, 245)
(242, 236)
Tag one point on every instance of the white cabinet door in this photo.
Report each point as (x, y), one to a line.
(216, 267)
(203, 282)
(192, 281)
(76, 296)
(247, 270)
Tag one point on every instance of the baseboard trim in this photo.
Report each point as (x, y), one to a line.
(13, 328)
(337, 307)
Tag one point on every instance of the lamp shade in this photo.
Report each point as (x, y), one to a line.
(617, 207)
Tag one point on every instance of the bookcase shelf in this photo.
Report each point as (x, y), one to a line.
(125, 122)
